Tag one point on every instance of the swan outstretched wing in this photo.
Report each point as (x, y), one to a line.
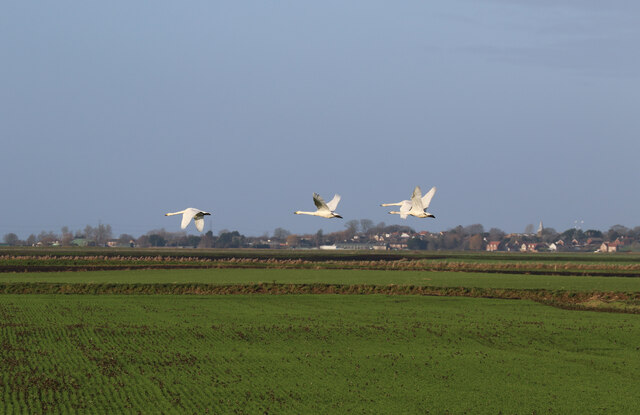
(319, 202)
(426, 199)
(405, 207)
(334, 203)
(187, 216)
(416, 199)
(199, 221)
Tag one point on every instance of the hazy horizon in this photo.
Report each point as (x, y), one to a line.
(120, 112)
(209, 226)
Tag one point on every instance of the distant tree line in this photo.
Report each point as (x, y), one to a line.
(471, 237)
(97, 236)
(475, 238)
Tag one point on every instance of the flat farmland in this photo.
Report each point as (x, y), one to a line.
(96, 259)
(168, 331)
(333, 276)
(312, 354)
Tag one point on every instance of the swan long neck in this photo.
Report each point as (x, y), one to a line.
(174, 213)
(301, 212)
(391, 204)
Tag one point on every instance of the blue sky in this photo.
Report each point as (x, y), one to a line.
(517, 111)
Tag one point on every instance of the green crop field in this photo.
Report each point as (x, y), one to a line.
(279, 342)
(312, 354)
(336, 276)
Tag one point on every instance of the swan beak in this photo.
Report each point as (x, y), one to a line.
(431, 216)
(338, 216)
(206, 214)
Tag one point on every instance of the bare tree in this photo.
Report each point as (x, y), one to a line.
(452, 240)
(473, 229)
(67, 236)
(102, 234)
(528, 229)
(126, 239)
(11, 239)
(280, 234)
(47, 238)
(89, 233)
(475, 242)
(617, 231)
(293, 240)
(207, 240)
(496, 234)
(143, 241)
(352, 228)
(549, 235)
(366, 225)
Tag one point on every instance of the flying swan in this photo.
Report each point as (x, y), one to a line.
(417, 206)
(190, 213)
(325, 210)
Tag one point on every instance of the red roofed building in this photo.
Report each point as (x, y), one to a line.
(610, 246)
(530, 246)
(493, 246)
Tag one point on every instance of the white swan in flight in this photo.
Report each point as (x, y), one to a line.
(325, 210)
(417, 206)
(190, 213)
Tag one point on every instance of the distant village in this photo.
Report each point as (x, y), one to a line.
(358, 234)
